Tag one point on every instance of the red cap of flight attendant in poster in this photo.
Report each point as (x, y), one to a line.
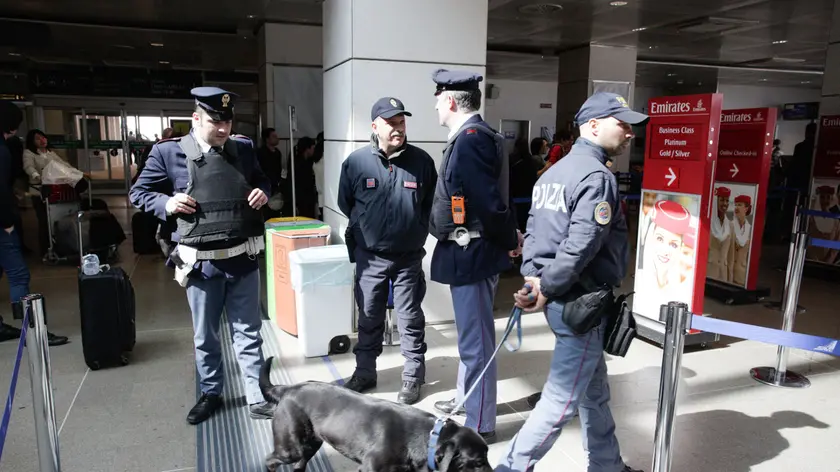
(671, 216)
(723, 192)
(745, 199)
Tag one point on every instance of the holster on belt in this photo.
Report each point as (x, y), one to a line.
(621, 328)
(586, 306)
(350, 241)
(182, 268)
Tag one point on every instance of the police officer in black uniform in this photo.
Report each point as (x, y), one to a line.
(470, 254)
(576, 245)
(386, 191)
(210, 185)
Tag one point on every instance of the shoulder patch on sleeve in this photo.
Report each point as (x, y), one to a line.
(603, 213)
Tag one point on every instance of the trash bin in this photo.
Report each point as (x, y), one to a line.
(322, 278)
(282, 236)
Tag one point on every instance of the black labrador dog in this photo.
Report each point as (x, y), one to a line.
(380, 435)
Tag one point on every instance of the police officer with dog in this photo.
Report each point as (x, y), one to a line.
(575, 252)
(386, 191)
(210, 185)
(476, 228)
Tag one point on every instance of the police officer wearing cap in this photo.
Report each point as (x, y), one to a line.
(576, 245)
(476, 228)
(386, 191)
(210, 185)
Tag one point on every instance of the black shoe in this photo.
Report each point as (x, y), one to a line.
(8, 332)
(55, 340)
(447, 406)
(262, 410)
(533, 399)
(359, 384)
(207, 404)
(627, 468)
(490, 436)
(410, 392)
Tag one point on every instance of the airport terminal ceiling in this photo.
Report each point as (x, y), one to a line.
(524, 36)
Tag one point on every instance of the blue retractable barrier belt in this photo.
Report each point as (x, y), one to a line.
(822, 214)
(766, 335)
(826, 243)
(7, 413)
(515, 320)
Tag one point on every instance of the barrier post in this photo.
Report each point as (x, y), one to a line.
(677, 320)
(795, 230)
(779, 376)
(40, 377)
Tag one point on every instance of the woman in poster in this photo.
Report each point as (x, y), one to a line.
(687, 261)
(721, 243)
(662, 279)
(822, 228)
(743, 236)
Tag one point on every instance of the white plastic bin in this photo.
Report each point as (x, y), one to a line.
(322, 278)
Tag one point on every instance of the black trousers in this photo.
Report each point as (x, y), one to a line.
(373, 272)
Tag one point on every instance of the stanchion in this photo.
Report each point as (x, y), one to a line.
(797, 223)
(677, 320)
(40, 376)
(779, 376)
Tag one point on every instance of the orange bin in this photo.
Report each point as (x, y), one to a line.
(282, 236)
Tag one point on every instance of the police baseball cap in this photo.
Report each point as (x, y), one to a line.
(387, 107)
(218, 103)
(605, 104)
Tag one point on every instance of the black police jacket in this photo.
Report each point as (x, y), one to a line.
(388, 201)
(576, 227)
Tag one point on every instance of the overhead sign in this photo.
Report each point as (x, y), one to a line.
(743, 171)
(824, 189)
(680, 155)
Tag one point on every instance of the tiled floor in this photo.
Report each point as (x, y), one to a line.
(133, 418)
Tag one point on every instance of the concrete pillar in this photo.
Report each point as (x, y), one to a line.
(378, 48)
(290, 74)
(589, 69)
(830, 101)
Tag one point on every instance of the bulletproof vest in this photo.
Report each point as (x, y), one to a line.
(441, 224)
(220, 189)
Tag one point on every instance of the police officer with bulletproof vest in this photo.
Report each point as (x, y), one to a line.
(210, 184)
(476, 228)
(386, 191)
(575, 253)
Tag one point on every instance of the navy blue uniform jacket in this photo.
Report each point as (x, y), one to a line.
(166, 174)
(576, 227)
(388, 201)
(474, 168)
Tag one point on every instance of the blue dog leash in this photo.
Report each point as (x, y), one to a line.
(515, 320)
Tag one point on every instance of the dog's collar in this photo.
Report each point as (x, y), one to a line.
(434, 436)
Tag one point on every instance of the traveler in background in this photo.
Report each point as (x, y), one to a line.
(539, 152)
(12, 264)
(563, 141)
(318, 168)
(523, 176)
(306, 192)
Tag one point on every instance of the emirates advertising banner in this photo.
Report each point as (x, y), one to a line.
(680, 157)
(825, 190)
(740, 195)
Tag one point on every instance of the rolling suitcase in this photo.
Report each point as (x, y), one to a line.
(106, 303)
(144, 228)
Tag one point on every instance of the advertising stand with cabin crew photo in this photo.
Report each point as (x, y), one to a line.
(673, 233)
(739, 205)
(825, 192)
